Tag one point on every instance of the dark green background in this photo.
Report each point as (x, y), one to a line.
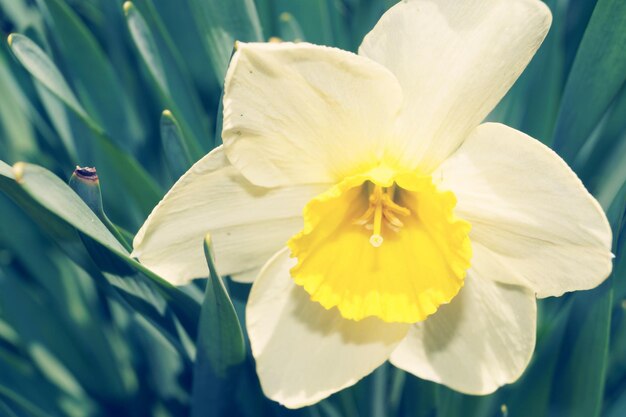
(86, 331)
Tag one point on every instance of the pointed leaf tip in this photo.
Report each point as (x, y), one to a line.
(220, 335)
(221, 347)
(18, 171)
(208, 241)
(176, 145)
(209, 255)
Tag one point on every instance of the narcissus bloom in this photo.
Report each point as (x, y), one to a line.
(396, 225)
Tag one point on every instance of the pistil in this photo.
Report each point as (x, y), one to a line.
(377, 239)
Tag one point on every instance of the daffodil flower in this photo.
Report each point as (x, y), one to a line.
(397, 226)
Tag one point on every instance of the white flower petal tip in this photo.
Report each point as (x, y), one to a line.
(533, 222)
(302, 113)
(455, 60)
(247, 223)
(304, 353)
(481, 341)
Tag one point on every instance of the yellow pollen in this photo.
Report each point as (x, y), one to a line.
(382, 207)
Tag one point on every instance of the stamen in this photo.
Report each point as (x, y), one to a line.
(366, 217)
(376, 239)
(391, 218)
(381, 208)
(394, 207)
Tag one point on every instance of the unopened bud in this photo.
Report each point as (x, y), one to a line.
(84, 181)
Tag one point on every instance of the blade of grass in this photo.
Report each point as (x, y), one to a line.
(97, 82)
(582, 373)
(60, 211)
(220, 24)
(141, 187)
(597, 75)
(289, 29)
(220, 347)
(174, 148)
(313, 18)
(160, 56)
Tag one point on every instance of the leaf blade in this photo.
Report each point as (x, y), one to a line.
(220, 346)
(598, 72)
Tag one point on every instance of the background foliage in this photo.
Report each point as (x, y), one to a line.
(87, 331)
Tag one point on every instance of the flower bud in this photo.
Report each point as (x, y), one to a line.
(84, 181)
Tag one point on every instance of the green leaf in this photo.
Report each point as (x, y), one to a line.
(122, 169)
(313, 18)
(172, 139)
(60, 212)
(596, 77)
(96, 81)
(180, 24)
(340, 31)
(59, 116)
(43, 69)
(289, 28)
(144, 40)
(221, 23)
(531, 395)
(165, 365)
(220, 345)
(20, 406)
(21, 14)
(168, 72)
(56, 347)
(604, 169)
(453, 404)
(51, 302)
(118, 164)
(617, 213)
(379, 398)
(27, 392)
(6, 410)
(618, 409)
(581, 381)
(596, 153)
(19, 141)
(535, 97)
(583, 371)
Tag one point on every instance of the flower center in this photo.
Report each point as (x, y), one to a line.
(381, 209)
(382, 244)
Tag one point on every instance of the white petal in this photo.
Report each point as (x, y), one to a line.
(455, 60)
(301, 113)
(480, 341)
(248, 224)
(533, 221)
(303, 352)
